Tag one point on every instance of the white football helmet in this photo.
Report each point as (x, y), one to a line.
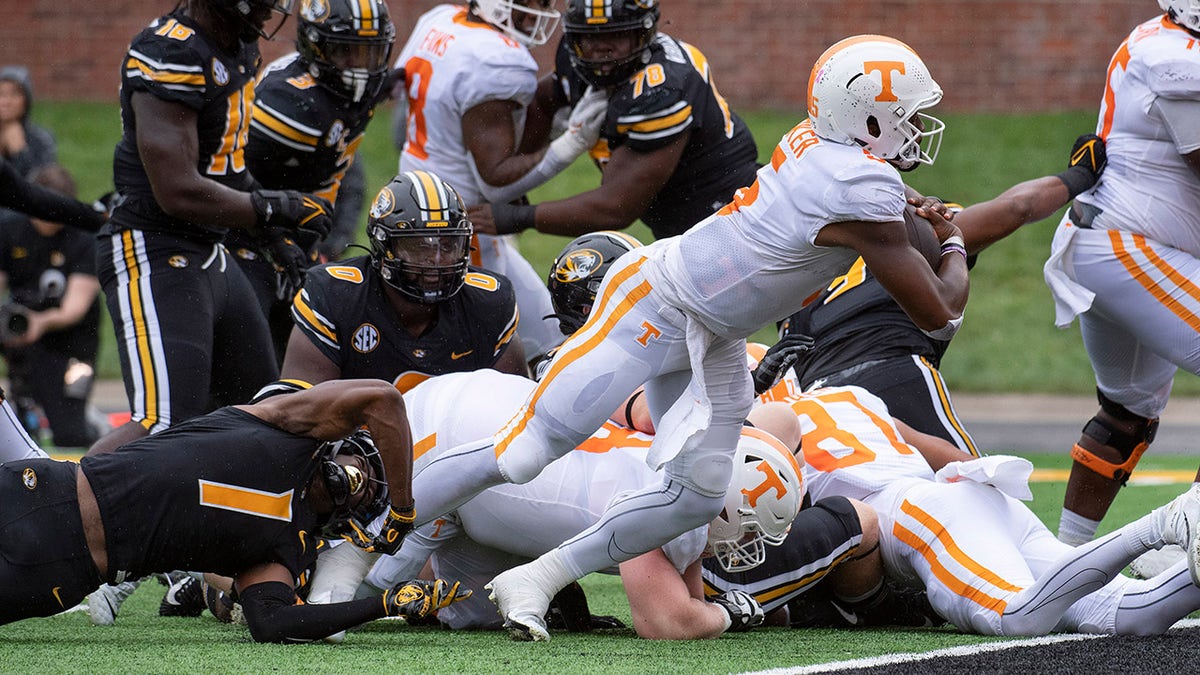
(499, 13)
(868, 90)
(1186, 13)
(764, 497)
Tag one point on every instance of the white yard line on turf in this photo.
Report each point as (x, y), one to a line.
(966, 650)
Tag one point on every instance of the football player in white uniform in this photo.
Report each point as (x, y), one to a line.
(987, 563)
(469, 78)
(674, 315)
(1126, 256)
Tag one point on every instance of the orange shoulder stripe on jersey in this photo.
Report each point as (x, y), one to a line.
(269, 119)
(576, 350)
(310, 317)
(193, 79)
(1135, 271)
(657, 123)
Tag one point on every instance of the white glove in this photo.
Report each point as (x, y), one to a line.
(583, 127)
(744, 611)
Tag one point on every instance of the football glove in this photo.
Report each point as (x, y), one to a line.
(307, 216)
(569, 611)
(398, 524)
(289, 260)
(744, 611)
(419, 599)
(1086, 163)
(583, 128)
(781, 356)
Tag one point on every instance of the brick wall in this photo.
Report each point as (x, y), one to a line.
(988, 55)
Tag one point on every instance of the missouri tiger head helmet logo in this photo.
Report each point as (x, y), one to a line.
(578, 265)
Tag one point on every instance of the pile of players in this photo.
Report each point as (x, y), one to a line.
(726, 494)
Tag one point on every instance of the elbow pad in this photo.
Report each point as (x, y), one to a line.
(947, 332)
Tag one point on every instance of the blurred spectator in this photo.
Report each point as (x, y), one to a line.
(25, 144)
(49, 326)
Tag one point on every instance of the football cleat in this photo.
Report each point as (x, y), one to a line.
(1179, 521)
(185, 597)
(219, 603)
(1152, 563)
(104, 602)
(522, 604)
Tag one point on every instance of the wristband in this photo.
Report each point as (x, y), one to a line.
(951, 248)
(629, 408)
(1077, 179)
(955, 240)
(513, 218)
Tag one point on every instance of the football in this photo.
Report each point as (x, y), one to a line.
(922, 237)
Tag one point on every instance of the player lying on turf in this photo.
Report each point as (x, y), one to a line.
(246, 491)
(987, 562)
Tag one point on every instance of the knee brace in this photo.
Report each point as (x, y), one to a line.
(1130, 446)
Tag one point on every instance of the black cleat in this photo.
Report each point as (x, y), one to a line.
(184, 598)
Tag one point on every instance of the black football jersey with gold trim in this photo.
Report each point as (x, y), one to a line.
(675, 93)
(343, 310)
(302, 136)
(856, 320)
(221, 492)
(174, 61)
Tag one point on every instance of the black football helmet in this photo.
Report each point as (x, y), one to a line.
(347, 45)
(578, 271)
(252, 15)
(590, 18)
(420, 236)
(346, 481)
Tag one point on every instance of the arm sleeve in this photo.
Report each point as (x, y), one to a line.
(20, 195)
(275, 614)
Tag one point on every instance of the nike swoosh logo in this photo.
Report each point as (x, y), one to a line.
(55, 592)
(456, 355)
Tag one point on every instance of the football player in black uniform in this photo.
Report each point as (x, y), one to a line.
(412, 308)
(311, 108)
(188, 327)
(671, 150)
(862, 337)
(246, 491)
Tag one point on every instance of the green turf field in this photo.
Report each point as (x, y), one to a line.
(143, 642)
(981, 155)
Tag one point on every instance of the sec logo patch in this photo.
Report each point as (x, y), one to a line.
(366, 338)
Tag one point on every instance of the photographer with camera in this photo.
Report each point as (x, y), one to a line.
(49, 327)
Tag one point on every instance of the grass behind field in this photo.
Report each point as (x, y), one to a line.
(143, 642)
(1008, 343)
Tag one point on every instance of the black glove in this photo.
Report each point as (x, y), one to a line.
(290, 262)
(1087, 161)
(419, 599)
(307, 217)
(398, 524)
(744, 611)
(781, 356)
(513, 218)
(569, 611)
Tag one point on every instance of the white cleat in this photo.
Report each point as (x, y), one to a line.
(104, 602)
(1181, 518)
(1152, 563)
(522, 604)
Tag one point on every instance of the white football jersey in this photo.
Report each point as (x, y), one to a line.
(1147, 188)
(464, 409)
(754, 262)
(851, 444)
(451, 65)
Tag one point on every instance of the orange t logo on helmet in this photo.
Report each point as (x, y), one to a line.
(885, 69)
